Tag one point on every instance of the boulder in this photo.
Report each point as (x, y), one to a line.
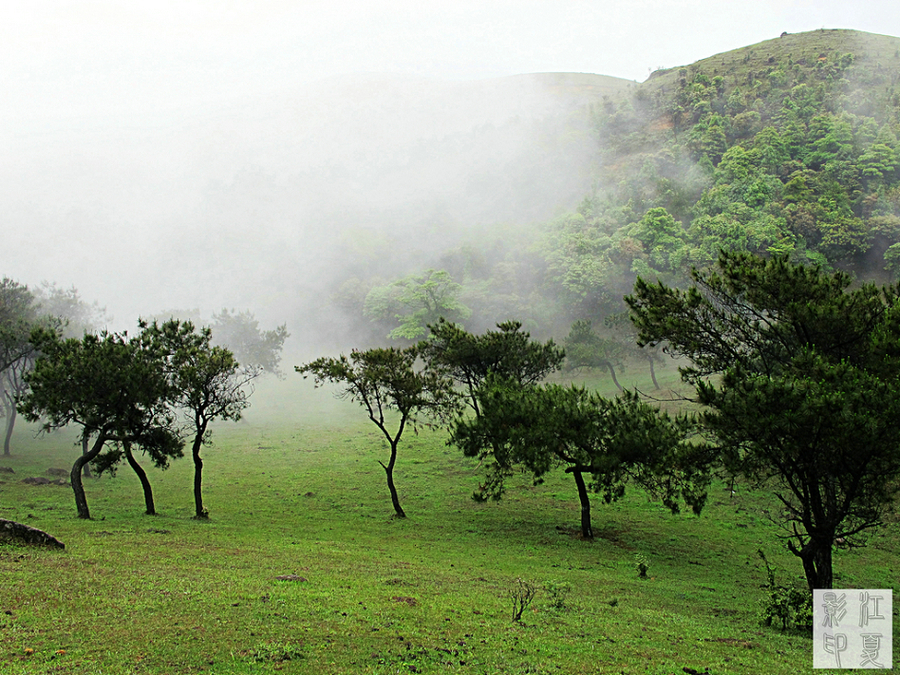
(29, 535)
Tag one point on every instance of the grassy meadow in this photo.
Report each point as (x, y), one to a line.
(295, 489)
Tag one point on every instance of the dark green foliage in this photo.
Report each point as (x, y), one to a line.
(467, 360)
(111, 387)
(808, 393)
(787, 604)
(540, 428)
(205, 382)
(793, 156)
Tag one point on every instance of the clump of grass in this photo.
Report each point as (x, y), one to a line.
(557, 591)
(276, 652)
(641, 564)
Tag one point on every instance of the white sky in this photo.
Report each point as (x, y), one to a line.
(92, 57)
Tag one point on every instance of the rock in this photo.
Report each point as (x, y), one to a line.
(29, 535)
(59, 473)
(6, 469)
(40, 480)
(290, 577)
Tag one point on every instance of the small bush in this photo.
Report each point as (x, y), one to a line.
(789, 605)
(641, 564)
(557, 591)
(521, 594)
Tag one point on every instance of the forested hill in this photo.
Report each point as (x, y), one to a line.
(786, 147)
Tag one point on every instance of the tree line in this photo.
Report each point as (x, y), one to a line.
(791, 152)
(151, 392)
(794, 371)
(795, 377)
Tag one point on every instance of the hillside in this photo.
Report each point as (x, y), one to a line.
(248, 202)
(790, 144)
(788, 147)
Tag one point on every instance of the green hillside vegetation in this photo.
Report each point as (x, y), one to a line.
(786, 147)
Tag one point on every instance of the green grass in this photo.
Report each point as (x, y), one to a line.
(299, 491)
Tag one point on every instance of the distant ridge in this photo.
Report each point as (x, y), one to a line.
(871, 49)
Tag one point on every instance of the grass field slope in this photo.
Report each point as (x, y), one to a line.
(302, 569)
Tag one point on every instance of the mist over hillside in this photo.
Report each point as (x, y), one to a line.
(531, 191)
(262, 203)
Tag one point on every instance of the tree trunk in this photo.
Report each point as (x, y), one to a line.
(85, 440)
(612, 371)
(586, 531)
(142, 476)
(75, 476)
(816, 559)
(653, 372)
(389, 470)
(10, 423)
(198, 477)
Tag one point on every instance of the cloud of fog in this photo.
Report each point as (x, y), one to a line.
(160, 155)
(268, 203)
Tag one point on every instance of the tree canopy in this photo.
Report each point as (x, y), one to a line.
(384, 380)
(112, 388)
(240, 333)
(205, 383)
(415, 302)
(613, 441)
(797, 372)
(467, 359)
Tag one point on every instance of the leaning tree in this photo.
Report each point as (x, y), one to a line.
(610, 441)
(112, 388)
(384, 380)
(798, 373)
(206, 383)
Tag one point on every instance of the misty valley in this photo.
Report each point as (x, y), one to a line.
(556, 373)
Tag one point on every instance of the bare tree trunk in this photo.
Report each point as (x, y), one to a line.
(587, 531)
(653, 372)
(75, 477)
(612, 371)
(389, 470)
(817, 563)
(10, 423)
(85, 440)
(201, 512)
(142, 476)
